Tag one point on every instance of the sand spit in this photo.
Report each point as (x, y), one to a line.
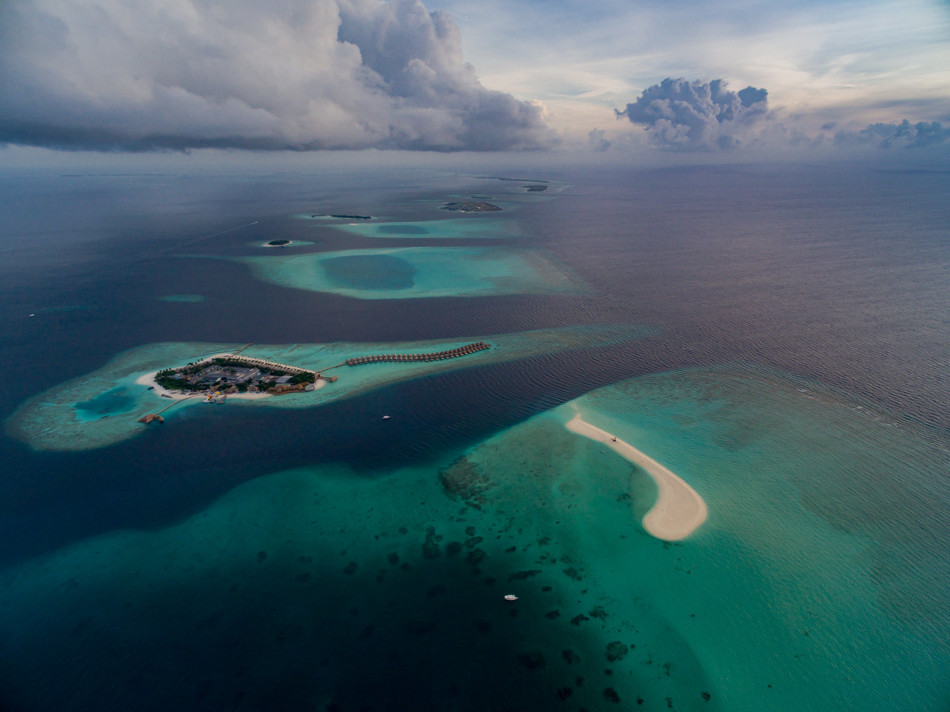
(678, 511)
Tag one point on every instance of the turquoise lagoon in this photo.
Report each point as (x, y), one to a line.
(103, 407)
(804, 589)
(417, 272)
(792, 596)
(487, 226)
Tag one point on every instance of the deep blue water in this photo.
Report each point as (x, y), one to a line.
(833, 274)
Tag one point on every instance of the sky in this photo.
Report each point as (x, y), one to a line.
(717, 77)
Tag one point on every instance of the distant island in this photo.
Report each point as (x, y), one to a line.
(535, 188)
(343, 217)
(279, 243)
(475, 206)
(516, 180)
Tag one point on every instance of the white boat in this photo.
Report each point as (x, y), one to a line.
(511, 597)
(385, 417)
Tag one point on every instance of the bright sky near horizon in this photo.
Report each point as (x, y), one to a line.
(445, 75)
(831, 60)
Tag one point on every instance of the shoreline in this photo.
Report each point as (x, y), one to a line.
(678, 511)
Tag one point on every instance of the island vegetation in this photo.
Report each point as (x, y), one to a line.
(235, 374)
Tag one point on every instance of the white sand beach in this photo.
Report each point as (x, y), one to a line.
(678, 511)
(148, 380)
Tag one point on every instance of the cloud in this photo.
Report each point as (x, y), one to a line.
(282, 74)
(902, 135)
(598, 141)
(696, 116)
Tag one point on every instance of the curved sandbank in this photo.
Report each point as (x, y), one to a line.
(679, 510)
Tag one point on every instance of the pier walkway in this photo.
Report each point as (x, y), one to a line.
(157, 415)
(404, 358)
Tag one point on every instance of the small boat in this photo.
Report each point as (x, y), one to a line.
(511, 597)
(385, 417)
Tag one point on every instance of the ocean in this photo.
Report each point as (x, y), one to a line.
(777, 335)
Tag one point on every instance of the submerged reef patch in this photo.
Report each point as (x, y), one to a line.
(418, 272)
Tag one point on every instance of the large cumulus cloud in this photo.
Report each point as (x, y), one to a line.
(688, 116)
(297, 74)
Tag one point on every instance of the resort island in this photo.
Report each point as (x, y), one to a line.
(230, 375)
(217, 377)
(473, 206)
(112, 404)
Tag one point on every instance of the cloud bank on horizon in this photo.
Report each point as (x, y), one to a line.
(286, 74)
(389, 74)
(680, 115)
(689, 116)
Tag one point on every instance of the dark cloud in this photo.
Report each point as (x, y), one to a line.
(902, 135)
(282, 74)
(704, 116)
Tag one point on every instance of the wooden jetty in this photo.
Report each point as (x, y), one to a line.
(405, 358)
(152, 417)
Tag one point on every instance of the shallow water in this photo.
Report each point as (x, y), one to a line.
(486, 226)
(318, 586)
(417, 272)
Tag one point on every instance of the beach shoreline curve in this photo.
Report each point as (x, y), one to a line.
(678, 511)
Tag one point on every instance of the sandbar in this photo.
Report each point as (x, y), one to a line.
(679, 510)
